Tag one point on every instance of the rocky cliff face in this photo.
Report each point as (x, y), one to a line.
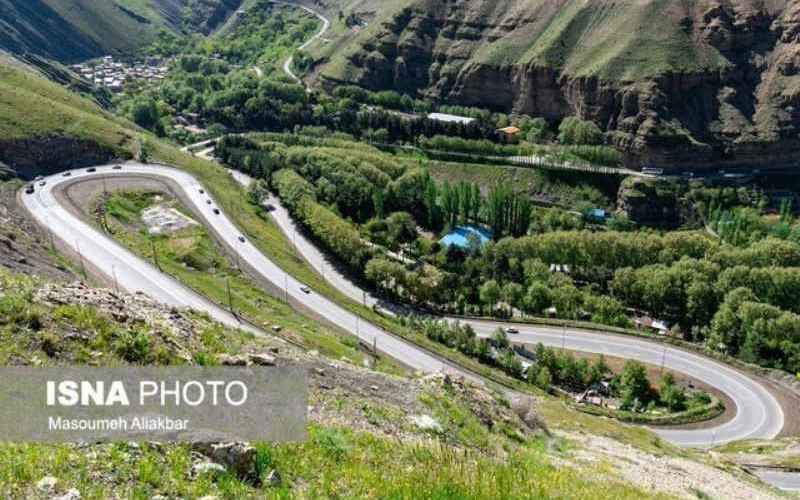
(689, 84)
(35, 156)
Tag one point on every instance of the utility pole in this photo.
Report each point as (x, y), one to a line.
(155, 254)
(114, 274)
(230, 297)
(80, 258)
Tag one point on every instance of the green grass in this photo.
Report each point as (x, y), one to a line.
(40, 334)
(616, 40)
(568, 188)
(33, 107)
(333, 463)
(560, 417)
(79, 29)
(193, 258)
(782, 452)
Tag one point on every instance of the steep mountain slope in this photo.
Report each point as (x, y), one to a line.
(479, 447)
(688, 83)
(72, 30)
(38, 117)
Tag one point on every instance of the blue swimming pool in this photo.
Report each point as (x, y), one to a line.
(460, 236)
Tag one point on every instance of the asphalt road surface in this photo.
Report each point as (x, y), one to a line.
(134, 274)
(788, 481)
(287, 66)
(758, 415)
(758, 412)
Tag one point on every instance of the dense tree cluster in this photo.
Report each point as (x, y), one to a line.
(534, 266)
(549, 368)
(336, 234)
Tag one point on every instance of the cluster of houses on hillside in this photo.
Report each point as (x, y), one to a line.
(115, 75)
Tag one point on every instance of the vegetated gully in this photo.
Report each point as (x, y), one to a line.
(758, 415)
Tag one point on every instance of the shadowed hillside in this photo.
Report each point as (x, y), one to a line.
(73, 30)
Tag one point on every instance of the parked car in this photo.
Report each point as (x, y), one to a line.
(91, 170)
(512, 330)
(43, 183)
(202, 191)
(30, 189)
(241, 238)
(117, 167)
(66, 174)
(216, 211)
(305, 289)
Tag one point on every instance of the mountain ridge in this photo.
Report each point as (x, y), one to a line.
(699, 81)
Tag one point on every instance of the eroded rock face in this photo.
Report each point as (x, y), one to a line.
(48, 155)
(703, 83)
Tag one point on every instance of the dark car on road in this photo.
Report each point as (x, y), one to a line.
(30, 189)
(117, 167)
(66, 174)
(216, 211)
(241, 238)
(91, 170)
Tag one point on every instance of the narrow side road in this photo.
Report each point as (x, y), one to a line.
(326, 24)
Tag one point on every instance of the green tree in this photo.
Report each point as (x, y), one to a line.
(402, 229)
(672, 396)
(634, 385)
(543, 378)
(513, 294)
(490, 294)
(500, 339)
(144, 113)
(538, 298)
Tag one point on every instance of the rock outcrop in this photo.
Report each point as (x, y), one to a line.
(694, 84)
(35, 156)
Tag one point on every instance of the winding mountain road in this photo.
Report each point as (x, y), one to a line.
(111, 260)
(287, 65)
(758, 414)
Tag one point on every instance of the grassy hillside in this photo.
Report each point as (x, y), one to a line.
(72, 30)
(31, 106)
(617, 40)
(483, 449)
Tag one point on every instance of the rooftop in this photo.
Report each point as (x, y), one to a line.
(443, 117)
